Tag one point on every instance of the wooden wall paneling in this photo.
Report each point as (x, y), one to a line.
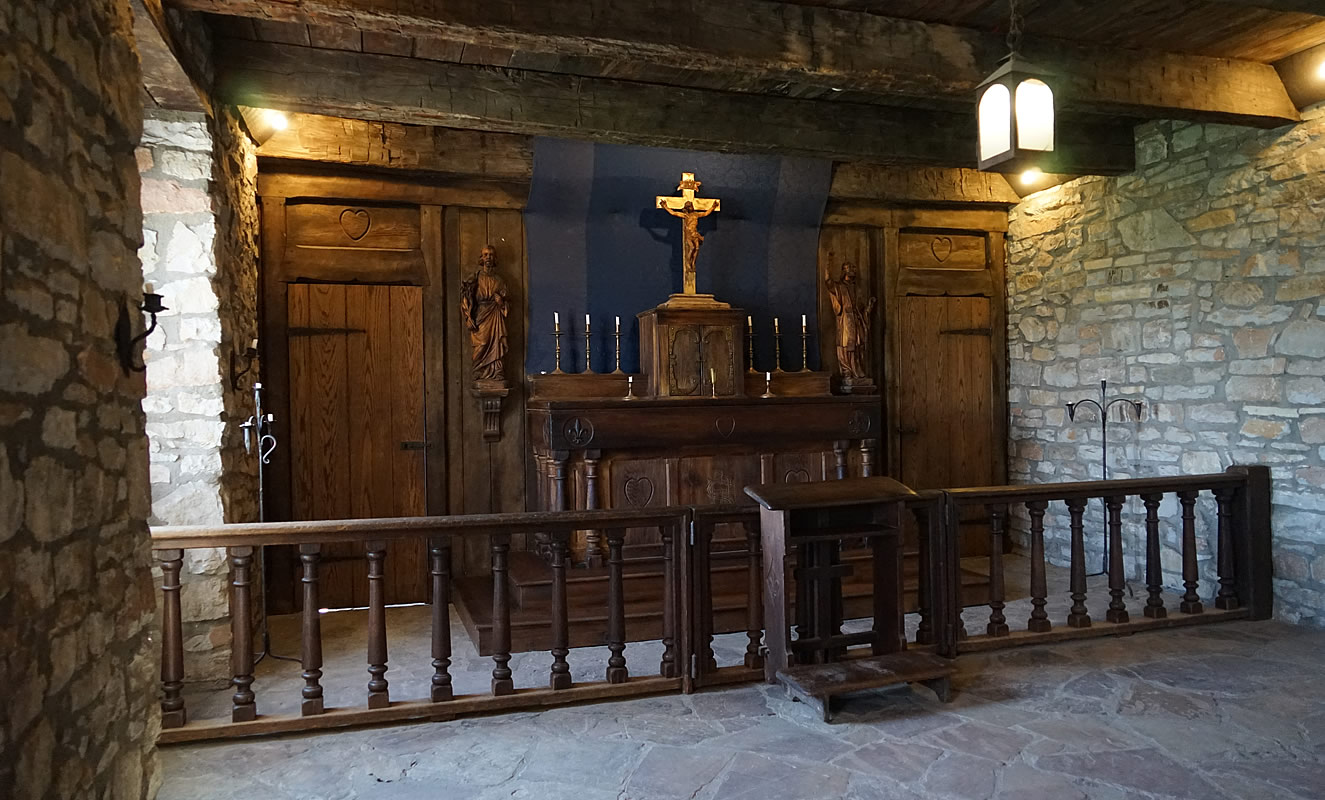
(370, 227)
(407, 575)
(367, 413)
(280, 563)
(942, 250)
(508, 456)
(890, 448)
(438, 372)
(374, 187)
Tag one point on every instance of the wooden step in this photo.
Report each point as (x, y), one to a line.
(818, 684)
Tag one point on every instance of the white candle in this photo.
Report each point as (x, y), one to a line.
(802, 323)
(556, 318)
(148, 288)
(618, 324)
(776, 330)
(749, 322)
(768, 376)
(586, 323)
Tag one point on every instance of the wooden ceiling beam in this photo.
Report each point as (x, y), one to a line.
(411, 90)
(166, 81)
(1315, 7)
(829, 48)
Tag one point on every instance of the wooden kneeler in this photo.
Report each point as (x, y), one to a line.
(813, 520)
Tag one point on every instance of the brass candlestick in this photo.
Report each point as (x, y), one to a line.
(618, 371)
(768, 385)
(750, 344)
(777, 346)
(556, 334)
(588, 361)
(805, 365)
(630, 387)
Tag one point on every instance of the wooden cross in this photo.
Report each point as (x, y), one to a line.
(690, 209)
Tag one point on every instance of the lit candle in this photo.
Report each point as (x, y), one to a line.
(618, 324)
(802, 323)
(586, 323)
(768, 376)
(776, 329)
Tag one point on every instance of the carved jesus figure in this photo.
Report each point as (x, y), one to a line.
(853, 322)
(691, 239)
(483, 306)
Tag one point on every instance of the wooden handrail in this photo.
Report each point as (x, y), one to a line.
(254, 534)
(1091, 489)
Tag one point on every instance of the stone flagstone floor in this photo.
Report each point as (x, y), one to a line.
(1234, 710)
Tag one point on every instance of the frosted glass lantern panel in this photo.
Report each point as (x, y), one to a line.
(1035, 115)
(995, 130)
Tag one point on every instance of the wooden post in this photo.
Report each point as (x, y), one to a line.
(705, 663)
(616, 608)
(1117, 581)
(1039, 619)
(311, 653)
(925, 581)
(667, 666)
(378, 694)
(173, 714)
(439, 557)
(1252, 534)
(1154, 571)
(1227, 598)
(1079, 615)
(754, 601)
(998, 515)
(501, 618)
(1191, 599)
(559, 675)
(952, 629)
(243, 708)
(774, 529)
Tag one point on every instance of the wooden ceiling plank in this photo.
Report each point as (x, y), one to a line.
(411, 90)
(824, 47)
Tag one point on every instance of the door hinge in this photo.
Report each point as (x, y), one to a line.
(413, 445)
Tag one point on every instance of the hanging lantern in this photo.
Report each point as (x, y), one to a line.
(1015, 113)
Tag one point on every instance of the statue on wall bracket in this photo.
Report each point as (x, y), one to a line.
(853, 312)
(484, 307)
(690, 210)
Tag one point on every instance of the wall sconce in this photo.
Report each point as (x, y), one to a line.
(125, 342)
(248, 357)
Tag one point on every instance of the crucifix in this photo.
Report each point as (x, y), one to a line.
(690, 209)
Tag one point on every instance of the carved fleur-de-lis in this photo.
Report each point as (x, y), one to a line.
(578, 432)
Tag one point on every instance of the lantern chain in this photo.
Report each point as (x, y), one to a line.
(1014, 26)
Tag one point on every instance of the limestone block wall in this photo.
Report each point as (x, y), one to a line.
(1195, 284)
(77, 657)
(200, 252)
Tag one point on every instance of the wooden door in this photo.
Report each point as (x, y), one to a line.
(945, 418)
(357, 426)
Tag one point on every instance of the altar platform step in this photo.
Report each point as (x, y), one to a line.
(586, 595)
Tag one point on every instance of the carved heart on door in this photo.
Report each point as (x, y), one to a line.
(796, 476)
(725, 426)
(639, 491)
(941, 247)
(355, 222)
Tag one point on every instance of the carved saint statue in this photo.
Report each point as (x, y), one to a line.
(853, 312)
(483, 306)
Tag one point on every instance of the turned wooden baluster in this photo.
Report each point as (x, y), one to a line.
(998, 516)
(1079, 615)
(1117, 582)
(559, 675)
(593, 540)
(1227, 598)
(840, 458)
(1154, 570)
(667, 667)
(616, 609)
(925, 586)
(439, 558)
(243, 709)
(311, 656)
(1039, 619)
(173, 714)
(754, 598)
(867, 458)
(378, 694)
(501, 618)
(1191, 601)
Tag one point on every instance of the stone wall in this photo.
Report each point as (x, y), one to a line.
(77, 661)
(200, 250)
(1196, 285)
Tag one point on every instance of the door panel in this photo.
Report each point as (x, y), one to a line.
(356, 394)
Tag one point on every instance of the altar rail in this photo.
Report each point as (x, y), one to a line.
(1242, 502)
(1242, 550)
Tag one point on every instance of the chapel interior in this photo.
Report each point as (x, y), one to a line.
(777, 398)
